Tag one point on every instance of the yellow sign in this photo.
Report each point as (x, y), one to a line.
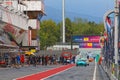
(86, 39)
(29, 53)
(89, 44)
(33, 50)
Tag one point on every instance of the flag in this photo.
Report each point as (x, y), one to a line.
(108, 24)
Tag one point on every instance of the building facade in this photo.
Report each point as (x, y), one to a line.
(20, 22)
(35, 11)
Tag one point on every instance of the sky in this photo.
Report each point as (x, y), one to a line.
(92, 10)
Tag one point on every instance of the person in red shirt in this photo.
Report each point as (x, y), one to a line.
(46, 59)
(100, 60)
(22, 59)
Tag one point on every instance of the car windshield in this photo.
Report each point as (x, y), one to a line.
(81, 60)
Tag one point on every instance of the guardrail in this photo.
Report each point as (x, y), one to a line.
(111, 69)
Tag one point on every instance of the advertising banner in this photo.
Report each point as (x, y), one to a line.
(89, 45)
(86, 39)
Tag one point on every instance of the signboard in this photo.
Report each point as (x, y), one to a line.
(89, 45)
(86, 39)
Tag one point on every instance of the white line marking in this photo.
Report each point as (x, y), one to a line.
(94, 74)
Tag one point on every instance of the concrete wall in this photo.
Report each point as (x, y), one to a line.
(55, 52)
(17, 18)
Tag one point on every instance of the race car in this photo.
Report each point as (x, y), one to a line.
(82, 62)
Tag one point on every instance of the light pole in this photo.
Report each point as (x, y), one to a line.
(63, 16)
(116, 28)
(116, 32)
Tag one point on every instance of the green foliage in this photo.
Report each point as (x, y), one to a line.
(51, 32)
(84, 27)
(68, 29)
(48, 33)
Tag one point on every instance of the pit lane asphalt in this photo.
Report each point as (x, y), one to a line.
(75, 73)
(81, 73)
(12, 73)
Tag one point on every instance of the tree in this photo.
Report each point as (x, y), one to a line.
(48, 33)
(68, 29)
